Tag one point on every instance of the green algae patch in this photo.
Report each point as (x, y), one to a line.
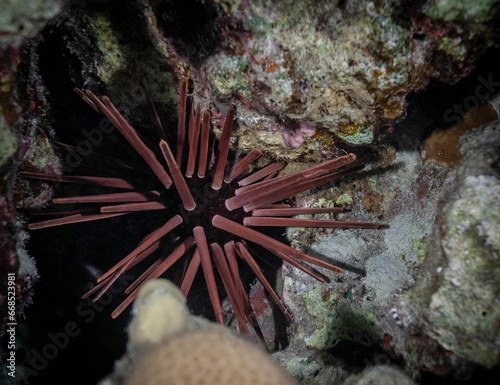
(476, 11)
(465, 310)
(8, 142)
(337, 321)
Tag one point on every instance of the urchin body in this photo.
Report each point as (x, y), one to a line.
(215, 204)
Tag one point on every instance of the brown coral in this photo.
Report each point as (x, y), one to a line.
(168, 345)
(204, 357)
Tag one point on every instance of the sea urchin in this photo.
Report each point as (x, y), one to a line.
(212, 213)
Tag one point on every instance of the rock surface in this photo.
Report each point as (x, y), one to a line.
(453, 309)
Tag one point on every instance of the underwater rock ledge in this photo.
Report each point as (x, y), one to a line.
(452, 314)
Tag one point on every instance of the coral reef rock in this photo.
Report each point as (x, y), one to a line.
(23, 19)
(380, 375)
(168, 345)
(452, 314)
